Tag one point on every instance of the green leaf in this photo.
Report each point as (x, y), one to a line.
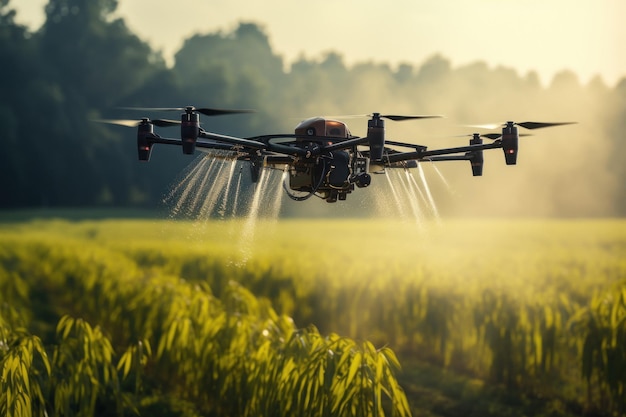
(354, 367)
(125, 362)
(65, 325)
(25, 377)
(170, 335)
(391, 357)
(380, 364)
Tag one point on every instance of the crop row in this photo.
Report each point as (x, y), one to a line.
(532, 305)
(126, 339)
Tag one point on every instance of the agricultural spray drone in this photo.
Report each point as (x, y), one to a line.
(322, 157)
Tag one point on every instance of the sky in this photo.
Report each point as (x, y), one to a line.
(546, 36)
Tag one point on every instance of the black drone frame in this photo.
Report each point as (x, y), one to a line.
(308, 149)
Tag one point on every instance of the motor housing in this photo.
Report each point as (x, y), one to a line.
(145, 132)
(376, 137)
(476, 157)
(510, 139)
(189, 131)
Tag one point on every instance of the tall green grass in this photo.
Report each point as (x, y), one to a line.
(129, 338)
(533, 305)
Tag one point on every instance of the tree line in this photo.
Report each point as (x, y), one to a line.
(83, 64)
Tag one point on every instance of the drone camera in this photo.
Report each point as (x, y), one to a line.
(362, 179)
(144, 145)
(339, 171)
(510, 140)
(189, 131)
(361, 164)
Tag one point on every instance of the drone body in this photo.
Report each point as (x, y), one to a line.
(322, 157)
(333, 173)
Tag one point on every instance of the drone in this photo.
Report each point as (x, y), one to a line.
(322, 157)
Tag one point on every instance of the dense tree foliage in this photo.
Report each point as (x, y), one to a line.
(83, 64)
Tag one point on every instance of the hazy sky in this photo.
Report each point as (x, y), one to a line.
(586, 36)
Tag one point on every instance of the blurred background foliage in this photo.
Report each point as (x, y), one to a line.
(84, 64)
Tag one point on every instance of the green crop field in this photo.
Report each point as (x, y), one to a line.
(312, 317)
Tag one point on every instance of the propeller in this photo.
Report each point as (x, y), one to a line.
(539, 125)
(394, 117)
(399, 118)
(492, 136)
(525, 125)
(135, 123)
(190, 109)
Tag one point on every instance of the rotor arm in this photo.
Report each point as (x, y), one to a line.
(264, 142)
(154, 138)
(465, 157)
(206, 144)
(289, 150)
(210, 144)
(267, 139)
(424, 154)
(346, 144)
(146, 138)
(447, 151)
(312, 151)
(247, 143)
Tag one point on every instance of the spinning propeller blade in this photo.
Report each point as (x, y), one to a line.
(399, 118)
(219, 112)
(492, 136)
(135, 123)
(525, 125)
(190, 109)
(394, 117)
(489, 126)
(539, 125)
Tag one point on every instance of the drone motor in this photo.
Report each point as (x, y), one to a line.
(510, 140)
(189, 130)
(145, 131)
(476, 157)
(376, 137)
